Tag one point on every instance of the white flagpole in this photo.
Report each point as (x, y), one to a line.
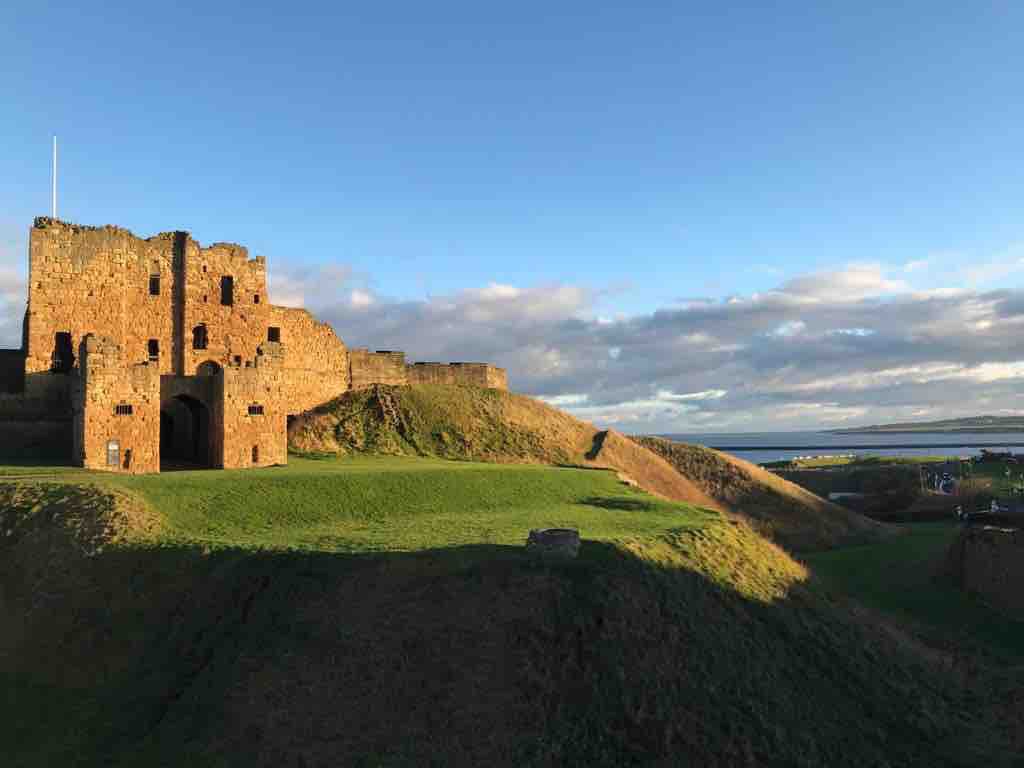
(55, 177)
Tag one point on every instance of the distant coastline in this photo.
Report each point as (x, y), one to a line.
(975, 424)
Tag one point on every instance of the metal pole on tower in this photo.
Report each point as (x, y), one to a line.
(54, 212)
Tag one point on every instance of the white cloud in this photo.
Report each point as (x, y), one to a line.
(789, 328)
(360, 299)
(707, 394)
(854, 283)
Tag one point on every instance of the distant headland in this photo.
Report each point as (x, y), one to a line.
(968, 424)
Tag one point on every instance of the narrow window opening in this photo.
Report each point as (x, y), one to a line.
(113, 453)
(154, 285)
(153, 347)
(205, 300)
(227, 290)
(238, 360)
(199, 339)
(255, 454)
(255, 409)
(204, 267)
(273, 334)
(63, 359)
(123, 409)
(256, 298)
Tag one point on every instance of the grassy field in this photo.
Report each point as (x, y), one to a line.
(376, 504)
(900, 577)
(382, 611)
(827, 462)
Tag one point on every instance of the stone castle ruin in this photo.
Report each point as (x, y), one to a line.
(141, 354)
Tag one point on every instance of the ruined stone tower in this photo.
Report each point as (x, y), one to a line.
(141, 353)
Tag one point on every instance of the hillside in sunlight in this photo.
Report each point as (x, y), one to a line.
(469, 423)
(776, 507)
(383, 611)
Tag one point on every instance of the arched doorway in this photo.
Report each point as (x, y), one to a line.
(207, 368)
(184, 433)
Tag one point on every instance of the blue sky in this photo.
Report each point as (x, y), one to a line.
(641, 155)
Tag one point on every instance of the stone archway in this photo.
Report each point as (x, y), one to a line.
(208, 368)
(184, 433)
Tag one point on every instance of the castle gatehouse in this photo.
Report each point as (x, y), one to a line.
(141, 354)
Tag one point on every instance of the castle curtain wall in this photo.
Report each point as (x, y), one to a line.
(464, 374)
(316, 366)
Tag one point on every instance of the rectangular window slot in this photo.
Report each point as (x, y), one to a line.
(255, 410)
(227, 290)
(124, 409)
(199, 337)
(153, 347)
(256, 299)
(255, 454)
(154, 285)
(273, 334)
(63, 359)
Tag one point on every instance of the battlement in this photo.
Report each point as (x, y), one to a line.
(381, 367)
(460, 373)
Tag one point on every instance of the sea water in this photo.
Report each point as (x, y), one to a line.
(761, 447)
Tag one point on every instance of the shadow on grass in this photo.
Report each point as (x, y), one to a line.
(478, 654)
(30, 460)
(618, 503)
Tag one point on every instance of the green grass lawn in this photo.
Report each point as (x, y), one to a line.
(829, 462)
(899, 577)
(381, 611)
(377, 504)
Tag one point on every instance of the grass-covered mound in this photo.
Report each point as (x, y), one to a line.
(470, 423)
(777, 508)
(384, 612)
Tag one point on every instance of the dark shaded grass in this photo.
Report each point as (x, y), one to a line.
(902, 577)
(636, 654)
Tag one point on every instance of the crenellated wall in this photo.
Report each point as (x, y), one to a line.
(463, 374)
(380, 367)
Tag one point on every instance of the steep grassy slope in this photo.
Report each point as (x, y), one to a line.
(489, 425)
(777, 508)
(259, 618)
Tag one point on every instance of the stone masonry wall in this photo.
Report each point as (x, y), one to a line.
(142, 309)
(472, 374)
(381, 367)
(98, 280)
(990, 563)
(316, 365)
(236, 428)
(31, 428)
(235, 331)
(105, 384)
(12, 371)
